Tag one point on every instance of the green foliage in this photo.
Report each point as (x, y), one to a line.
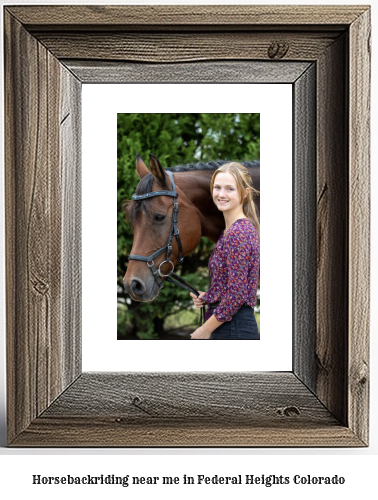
(175, 139)
(230, 137)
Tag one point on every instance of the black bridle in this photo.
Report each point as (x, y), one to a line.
(174, 232)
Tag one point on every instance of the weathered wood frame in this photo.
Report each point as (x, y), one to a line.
(49, 53)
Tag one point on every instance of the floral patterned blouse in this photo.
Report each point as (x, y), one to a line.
(234, 270)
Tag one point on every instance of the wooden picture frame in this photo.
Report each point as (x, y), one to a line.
(324, 51)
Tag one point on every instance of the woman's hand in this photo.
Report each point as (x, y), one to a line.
(200, 334)
(198, 302)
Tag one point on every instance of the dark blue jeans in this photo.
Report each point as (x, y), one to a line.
(243, 326)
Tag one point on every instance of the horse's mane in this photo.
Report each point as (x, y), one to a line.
(211, 165)
(133, 207)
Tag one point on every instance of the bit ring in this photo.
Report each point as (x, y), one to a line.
(170, 272)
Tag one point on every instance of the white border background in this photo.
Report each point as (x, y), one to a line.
(360, 471)
(101, 350)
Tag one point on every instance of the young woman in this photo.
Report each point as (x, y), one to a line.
(235, 261)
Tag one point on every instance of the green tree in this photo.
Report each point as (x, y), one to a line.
(176, 138)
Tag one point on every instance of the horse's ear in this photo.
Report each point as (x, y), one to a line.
(141, 168)
(157, 170)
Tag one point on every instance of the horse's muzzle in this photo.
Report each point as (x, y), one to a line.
(137, 287)
(138, 290)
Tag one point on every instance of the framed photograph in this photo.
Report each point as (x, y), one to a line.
(163, 110)
(323, 52)
(190, 138)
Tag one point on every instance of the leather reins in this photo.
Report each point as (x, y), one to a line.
(174, 232)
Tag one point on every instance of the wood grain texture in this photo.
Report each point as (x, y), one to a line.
(170, 16)
(70, 143)
(33, 228)
(181, 47)
(304, 227)
(223, 396)
(199, 72)
(31, 149)
(176, 409)
(359, 226)
(324, 402)
(99, 432)
(332, 230)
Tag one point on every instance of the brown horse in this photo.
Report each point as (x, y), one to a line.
(152, 218)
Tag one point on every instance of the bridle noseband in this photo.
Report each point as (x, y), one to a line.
(158, 275)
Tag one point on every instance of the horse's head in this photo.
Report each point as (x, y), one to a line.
(151, 220)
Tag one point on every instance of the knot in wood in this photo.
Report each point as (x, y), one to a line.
(140, 404)
(41, 287)
(278, 50)
(362, 375)
(288, 411)
(136, 400)
(363, 380)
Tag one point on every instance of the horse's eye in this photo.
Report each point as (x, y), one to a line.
(159, 218)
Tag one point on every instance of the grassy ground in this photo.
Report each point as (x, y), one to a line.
(179, 326)
(181, 320)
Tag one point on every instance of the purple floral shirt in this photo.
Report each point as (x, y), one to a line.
(234, 270)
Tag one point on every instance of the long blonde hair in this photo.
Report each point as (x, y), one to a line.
(243, 181)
